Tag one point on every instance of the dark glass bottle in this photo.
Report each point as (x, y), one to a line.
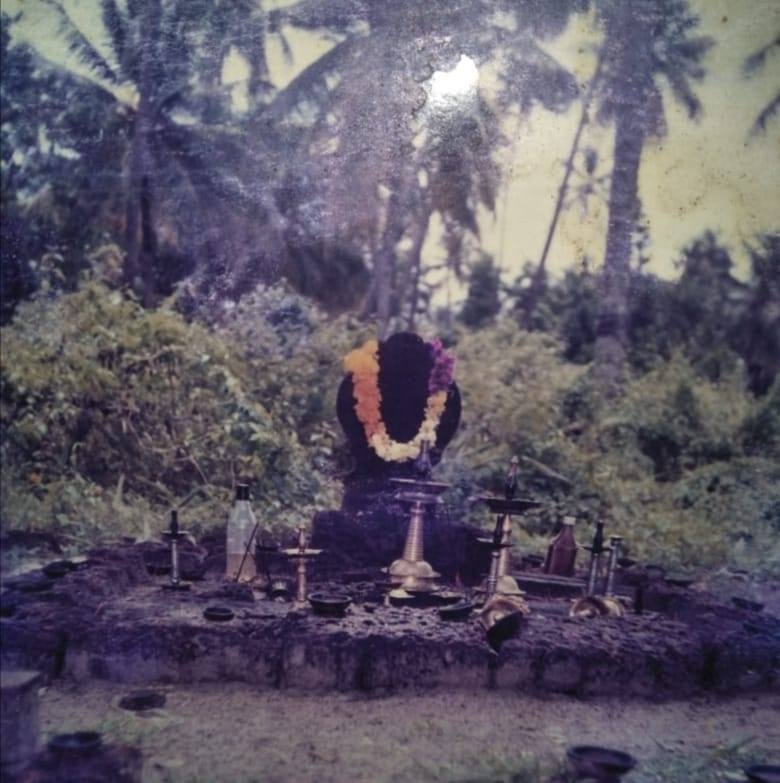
(562, 551)
(598, 540)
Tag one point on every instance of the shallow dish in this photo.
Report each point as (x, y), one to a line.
(763, 773)
(679, 580)
(34, 585)
(400, 597)
(447, 598)
(456, 612)
(58, 569)
(79, 743)
(218, 614)
(332, 604)
(601, 763)
(140, 701)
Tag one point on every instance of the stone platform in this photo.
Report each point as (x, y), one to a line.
(111, 619)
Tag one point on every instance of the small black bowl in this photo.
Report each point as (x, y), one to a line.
(763, 773)
(79, 743)
(140, 701)
(330, 604)
(456, 612)
(401, 598)
(34, 585)
(535, 561)
(746, 603)
(626, 562)
(679, 580)
(58, 569)
(448, 597)
(600, 763)
(218, 614)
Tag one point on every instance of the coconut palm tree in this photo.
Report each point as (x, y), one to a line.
(379, 151)
(644, 41)
(160, 61)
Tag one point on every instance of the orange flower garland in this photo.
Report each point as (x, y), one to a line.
(363, 366)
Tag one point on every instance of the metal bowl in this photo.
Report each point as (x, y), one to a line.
(140, 701)
(763, 773)
(38, 585)
(601, 763)
(456, 612)
(58, 569)
(218, 614)
(79, 743)
(329, 604)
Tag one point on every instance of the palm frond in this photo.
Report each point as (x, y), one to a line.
(772, 108)
(116, 28)
(338, 15)
(756, 60)
(81, 46)
(683, 92)
(311, 82)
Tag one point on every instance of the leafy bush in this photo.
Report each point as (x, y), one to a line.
(102, 396)
(110, 412)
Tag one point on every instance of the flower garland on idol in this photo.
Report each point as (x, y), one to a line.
(363, 366)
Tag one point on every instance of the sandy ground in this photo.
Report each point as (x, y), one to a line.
(233, 733)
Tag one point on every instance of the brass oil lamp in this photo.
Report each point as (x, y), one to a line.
(173, 535)
(301, 555)
(593, 604)
(499, 580)
(411, 570)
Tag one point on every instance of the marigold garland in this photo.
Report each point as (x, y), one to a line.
(363, 365)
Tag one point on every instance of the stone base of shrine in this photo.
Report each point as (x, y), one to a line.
(112, 620)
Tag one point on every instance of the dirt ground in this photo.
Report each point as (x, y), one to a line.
(233, 733)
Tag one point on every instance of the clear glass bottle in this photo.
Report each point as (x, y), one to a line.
(562, 551)
(240, 530)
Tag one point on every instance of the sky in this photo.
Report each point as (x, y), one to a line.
(708, 174)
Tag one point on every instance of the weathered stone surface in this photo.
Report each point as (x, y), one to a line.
(111, 622)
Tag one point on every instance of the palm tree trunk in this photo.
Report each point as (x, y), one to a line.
(536, 288)
(139, 232)
(416, 259)
(610, 349)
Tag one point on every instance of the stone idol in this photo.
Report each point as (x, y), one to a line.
(397, 395)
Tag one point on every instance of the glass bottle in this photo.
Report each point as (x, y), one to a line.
(562, 551)
(241, 528)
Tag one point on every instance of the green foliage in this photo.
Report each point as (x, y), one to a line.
(685, 468)
(111, 412)
(101, 397)
(482, 303)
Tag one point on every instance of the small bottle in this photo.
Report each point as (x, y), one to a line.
(562, 551)
(240, 531)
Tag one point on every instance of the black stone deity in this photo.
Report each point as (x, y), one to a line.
(399, 402)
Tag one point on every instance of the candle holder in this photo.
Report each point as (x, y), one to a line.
(173, 535)
(263, 580)
(614, 554)
(411, 570)
(499, 580)
(301, 555)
